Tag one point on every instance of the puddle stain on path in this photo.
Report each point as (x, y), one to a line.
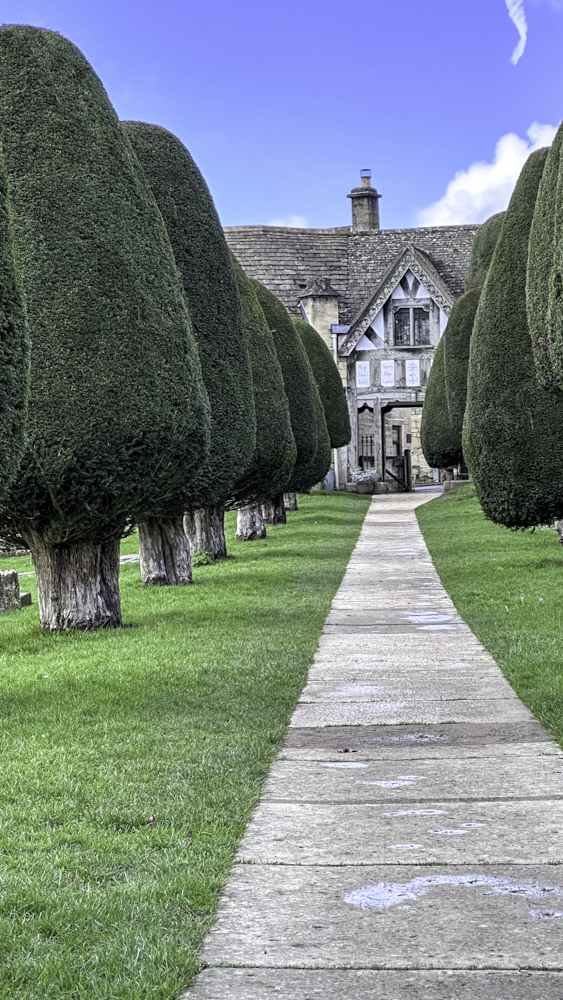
(387, 894)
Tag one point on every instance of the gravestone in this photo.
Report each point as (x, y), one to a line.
(9, 591)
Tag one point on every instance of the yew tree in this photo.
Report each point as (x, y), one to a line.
(329, 384)
(302, 396)
(544, 278)
(117, 410)
(14, 348)
(457, 335)
(274, 451)
(441, 443)
(206, 269)
(512, 429)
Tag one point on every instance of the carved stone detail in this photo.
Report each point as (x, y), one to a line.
(407, 262)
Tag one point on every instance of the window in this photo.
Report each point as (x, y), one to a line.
(402, 328)
(421, 323)
(411, 327)
(396, 436)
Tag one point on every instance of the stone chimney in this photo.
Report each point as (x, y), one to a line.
(365, 207)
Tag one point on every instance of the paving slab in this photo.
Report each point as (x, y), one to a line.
(408, 844)
(406, 833)
(330, 685)
(403, 738)
(418, 749)
(394, 916)
(363, 984)
(347, 780)
(390, 713)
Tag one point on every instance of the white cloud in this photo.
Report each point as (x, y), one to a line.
(293, 221)
(485, 188)
(517, 14)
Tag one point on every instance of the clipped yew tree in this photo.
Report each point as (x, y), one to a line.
(14, 348)
(482, 251)
(441, 444)
(117, 410)
(274, 451)
(544, 278)
(512, 430)
(329, 384)
(299, 388)
(210, 286)
(457, 335)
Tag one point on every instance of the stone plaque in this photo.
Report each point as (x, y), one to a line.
(412, 373)
(388, 374)
(362, 375)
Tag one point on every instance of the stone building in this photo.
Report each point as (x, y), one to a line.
(381, 300)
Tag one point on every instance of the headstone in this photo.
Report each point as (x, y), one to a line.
(9, 591)
(25, 599)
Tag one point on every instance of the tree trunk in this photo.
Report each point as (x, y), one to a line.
(164, 553)
(250, 523)
(205, 528)
(77, 584)
(290, 501)
(558, 525)
(273, 511)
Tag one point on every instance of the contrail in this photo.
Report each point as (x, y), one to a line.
(517, 14)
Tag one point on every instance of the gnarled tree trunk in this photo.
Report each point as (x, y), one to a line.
(558, 525)
(290, 501)
(77, 584)
(250, 523)
(164, 553)
(273, 511)
(205, 528)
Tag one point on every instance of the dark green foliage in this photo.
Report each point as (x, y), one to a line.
(482, 252)
(117, 410)
(210, 286)
(329, 384)
(14, 349)
(457, 335)
(315, 471)
(544, 272)
(512, 430)
(298, 382)
(275, 451)
(441, 445)
(456, 340)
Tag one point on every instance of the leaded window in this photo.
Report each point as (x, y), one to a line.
(411, 327)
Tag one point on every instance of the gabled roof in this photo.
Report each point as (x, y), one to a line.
(409, 259)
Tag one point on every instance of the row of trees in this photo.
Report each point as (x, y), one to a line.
(511, 384)
(162, 384)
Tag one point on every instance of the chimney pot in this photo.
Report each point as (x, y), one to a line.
(366, 178)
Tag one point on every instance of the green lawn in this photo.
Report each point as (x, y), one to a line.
(508, 586)
(176, 716)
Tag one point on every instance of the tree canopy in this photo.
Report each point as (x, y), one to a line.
(482, 251)
(298, 383)
(117, 409)
(544, 282)
(512, 427)
(441, 444)
(275, 451)
(329, 384)
(457, 335)
(14, 348)
(210, 286)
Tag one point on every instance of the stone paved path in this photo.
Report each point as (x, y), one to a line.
(408, 843)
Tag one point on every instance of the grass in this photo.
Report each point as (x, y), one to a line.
(508, 586)
(176, 717)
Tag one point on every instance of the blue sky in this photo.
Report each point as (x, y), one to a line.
(282, 104)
